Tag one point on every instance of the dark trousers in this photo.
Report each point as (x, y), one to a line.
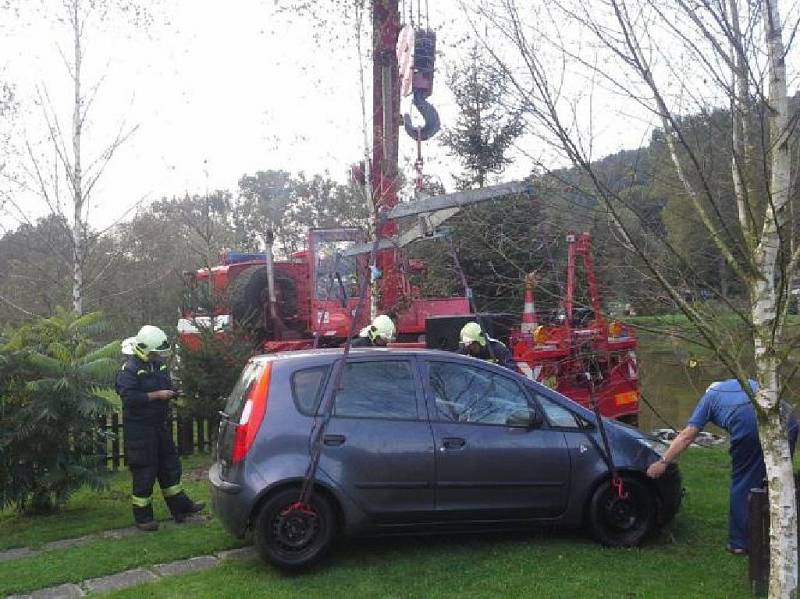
(151, 455)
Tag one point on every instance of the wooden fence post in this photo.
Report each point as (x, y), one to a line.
(758, 541)
(102, 442)
(758, 537)
(185, 436)
(201, 435)
(115, 431)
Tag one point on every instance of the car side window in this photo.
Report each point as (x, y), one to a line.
(468, 394)
(557, 415)
(378, 389)
(307, 388)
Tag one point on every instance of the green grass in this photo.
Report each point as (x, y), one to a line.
(686, 560)
(89, 511)
(108, 556)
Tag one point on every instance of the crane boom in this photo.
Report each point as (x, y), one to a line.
(434, 210)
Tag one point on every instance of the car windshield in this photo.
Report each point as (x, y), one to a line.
(336, 274)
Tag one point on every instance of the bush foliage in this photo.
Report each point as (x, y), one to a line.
(208, 369)
(54, 384)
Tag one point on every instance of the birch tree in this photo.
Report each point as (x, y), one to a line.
(665, 61)
(56, 167)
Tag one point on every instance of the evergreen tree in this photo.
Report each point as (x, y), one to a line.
(486, 128)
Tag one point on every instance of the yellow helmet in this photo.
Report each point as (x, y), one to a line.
(472, 333)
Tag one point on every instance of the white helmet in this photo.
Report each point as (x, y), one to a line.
(472, 333)
(382, 327)
(150, 340)
(128, 346)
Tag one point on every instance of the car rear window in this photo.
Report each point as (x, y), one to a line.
(307, 385)
(250, 374)
(380, 389)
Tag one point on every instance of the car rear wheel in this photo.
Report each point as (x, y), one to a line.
(622, 521)
(293, 536)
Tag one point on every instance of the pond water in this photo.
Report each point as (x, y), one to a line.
(672, 388)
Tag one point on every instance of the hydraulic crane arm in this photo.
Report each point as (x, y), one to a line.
(435, 210)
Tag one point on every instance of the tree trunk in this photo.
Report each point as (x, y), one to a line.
(78, 226)
(723, 277)
(768, 325)
(782, 508)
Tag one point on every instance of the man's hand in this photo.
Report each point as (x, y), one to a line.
(163, 394)
(656, 469)
(685, 438)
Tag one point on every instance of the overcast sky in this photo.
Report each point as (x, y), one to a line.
(220, 89)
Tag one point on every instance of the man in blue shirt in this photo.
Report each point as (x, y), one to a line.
(728, 406)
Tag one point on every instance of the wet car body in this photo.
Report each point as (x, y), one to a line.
(405, 452)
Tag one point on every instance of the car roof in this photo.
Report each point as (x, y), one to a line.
(357, 351)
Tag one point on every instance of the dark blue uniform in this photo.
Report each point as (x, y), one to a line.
(499, 354)
(727, 405)
(149, 448)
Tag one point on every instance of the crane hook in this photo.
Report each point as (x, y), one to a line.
(429, 115)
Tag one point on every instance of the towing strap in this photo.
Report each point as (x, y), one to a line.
(616, 482)
(303, 503)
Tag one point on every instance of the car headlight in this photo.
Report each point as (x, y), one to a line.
(657, 446)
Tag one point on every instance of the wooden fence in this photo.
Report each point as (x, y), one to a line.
(190, 434)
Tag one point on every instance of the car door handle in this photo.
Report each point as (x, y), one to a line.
(453, 443)
(333, 440)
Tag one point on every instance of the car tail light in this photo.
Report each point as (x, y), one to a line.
(252, 415)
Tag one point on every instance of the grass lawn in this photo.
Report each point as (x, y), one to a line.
(90, 512)
(686, 560)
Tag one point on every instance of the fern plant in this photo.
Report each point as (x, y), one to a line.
(55, 383)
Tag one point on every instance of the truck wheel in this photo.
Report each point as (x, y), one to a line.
(622, 522)
(249, 295)
(290, 537)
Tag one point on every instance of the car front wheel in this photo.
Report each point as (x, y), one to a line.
(292, 536)
(622, 521)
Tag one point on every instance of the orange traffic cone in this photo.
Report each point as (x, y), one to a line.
(529, 311)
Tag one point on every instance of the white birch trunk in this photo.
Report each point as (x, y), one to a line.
(767, 323)
(78, 226)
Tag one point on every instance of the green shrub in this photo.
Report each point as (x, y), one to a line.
(208, 368)
(54, 381)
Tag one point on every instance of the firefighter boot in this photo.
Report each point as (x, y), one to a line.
(143, 516)
(180, 506)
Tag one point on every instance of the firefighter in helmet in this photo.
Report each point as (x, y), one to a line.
(145, 387)
(379, 333)
(476, 343)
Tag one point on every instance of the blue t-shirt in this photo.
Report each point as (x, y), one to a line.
(720, 402)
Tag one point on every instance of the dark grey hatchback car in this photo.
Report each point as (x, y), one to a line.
(422, 441)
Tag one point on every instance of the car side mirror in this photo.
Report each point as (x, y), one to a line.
(524, 418)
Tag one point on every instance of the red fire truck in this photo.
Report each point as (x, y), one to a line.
(313, 293)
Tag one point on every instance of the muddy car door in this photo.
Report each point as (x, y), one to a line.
(495, 455)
